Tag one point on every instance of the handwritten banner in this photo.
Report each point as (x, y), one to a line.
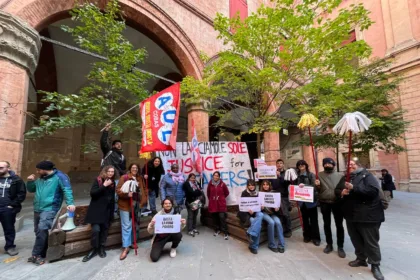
(231, 159)
(269, 199)
(167, 223)
(159, 114)
(267, 172)
(250, 203)
(305, 194)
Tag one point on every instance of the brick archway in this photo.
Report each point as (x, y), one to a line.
(144, 15)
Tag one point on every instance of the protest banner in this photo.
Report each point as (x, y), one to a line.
(159, 114)
(270, 200)
(167, 223)
(231, 159)
(305, 194)
(250, 203)
(259, 162)
(267, 172)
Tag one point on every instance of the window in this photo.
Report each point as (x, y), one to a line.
(352, 38)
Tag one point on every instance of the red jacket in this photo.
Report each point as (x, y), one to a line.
(217, 197)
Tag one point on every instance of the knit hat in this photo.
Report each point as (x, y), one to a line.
(45, 165)
(328, 160)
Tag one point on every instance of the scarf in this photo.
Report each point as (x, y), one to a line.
(194, 186)
(177, 177)
(169, 213)
(214, 183)
(252, 193)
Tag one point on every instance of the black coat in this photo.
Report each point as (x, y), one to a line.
(191, 195)
(363, 204)
(245, 217)
(153, 176)
(17, 193)
(102, 204)
(112, 156)
(387, 183)
(280, 185)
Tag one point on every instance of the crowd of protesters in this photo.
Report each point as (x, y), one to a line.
(360, 201)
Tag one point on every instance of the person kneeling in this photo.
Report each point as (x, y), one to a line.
(252, 220)
(160, 239)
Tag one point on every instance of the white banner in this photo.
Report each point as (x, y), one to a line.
(250, 203)
(267, 172)
(305, 194)
(231, 159)
(269, 199)
(167, 223)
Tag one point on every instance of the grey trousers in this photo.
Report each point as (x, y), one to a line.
(365, 239)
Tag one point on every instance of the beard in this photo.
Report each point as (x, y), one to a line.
(3, 173)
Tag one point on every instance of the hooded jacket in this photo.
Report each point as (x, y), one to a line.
(12, 192)
(112, 156)
(49, 191)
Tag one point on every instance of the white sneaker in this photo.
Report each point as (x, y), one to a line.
(173, 253)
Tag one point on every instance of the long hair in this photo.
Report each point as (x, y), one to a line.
(138, 175)
(103, 174)
(269, 186)
(190, 175)
(151, 166)
(302, 162)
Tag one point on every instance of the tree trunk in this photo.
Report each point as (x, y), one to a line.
(259, 145)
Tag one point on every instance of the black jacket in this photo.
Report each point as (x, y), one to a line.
(280, 185)
(153, 177)
(245, 217)
(308, 180)
(387, 183)
(363, 204)
(191, 195)
(112, 156)
(16, 192)
(101, 206)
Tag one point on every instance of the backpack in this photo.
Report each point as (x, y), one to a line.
(106, 156)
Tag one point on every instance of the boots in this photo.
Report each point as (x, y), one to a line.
(358, 263)
(90, 255)
(124, 253)
(102, 253)
(377, 274)
(328, 249)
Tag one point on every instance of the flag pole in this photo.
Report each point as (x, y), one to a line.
(121, 115)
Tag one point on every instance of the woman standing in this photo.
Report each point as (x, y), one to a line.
(217, 192)
(125, 207)
(387, 184)
(194, 195)
(152, 172)
(101, 211)
(273, 222)
(159, 240)
(171, 186)
(308, 209)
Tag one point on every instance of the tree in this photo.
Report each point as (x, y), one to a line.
(113, 83)
(281, 49)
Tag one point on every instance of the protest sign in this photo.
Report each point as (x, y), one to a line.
(231, 159)
(250, 203)
(259, 162)
(267, 172)
(269, 199)
(167, 223)
(305, 194)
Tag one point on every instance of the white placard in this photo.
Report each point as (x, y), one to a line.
(270, 199)
(231, 159)
(259, 162)
(250, 203)
(267, 172)
(305, 194)
(167, 223)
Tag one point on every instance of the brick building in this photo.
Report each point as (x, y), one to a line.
(173, 32)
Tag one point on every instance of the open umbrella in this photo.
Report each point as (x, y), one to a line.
(355, 122)
(127, 187)
(309, 121)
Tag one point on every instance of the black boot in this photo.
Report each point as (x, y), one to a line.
(358, 263)
(341, 252)
(377, 272)
(102, 253)
(328, 249)
(90, 255)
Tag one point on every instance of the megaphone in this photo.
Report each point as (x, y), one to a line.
(69, 224)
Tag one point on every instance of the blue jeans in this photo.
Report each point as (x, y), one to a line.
(274, 225)
(126, 228)
(255, 230)
(152, 200)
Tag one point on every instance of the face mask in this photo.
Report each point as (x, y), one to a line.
(328, 169)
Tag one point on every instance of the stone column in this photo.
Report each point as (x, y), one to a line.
(19, 52)
(271, 147)
(198, 112)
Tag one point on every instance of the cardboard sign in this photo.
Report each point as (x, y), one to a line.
(250, 203)
(259, 162)
(167, 224)
(267, 172)
(270, 200)
(231, 159)
(305, 194)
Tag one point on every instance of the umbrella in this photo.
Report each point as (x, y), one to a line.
(309, 121)
(355, 122)
(127, 187)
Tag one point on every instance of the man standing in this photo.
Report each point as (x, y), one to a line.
(282, 186)
(49, 190)
(364, 213)
(12, 194)
(113, 155)
(327, 183)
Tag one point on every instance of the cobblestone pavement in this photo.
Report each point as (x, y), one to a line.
(207, 257)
